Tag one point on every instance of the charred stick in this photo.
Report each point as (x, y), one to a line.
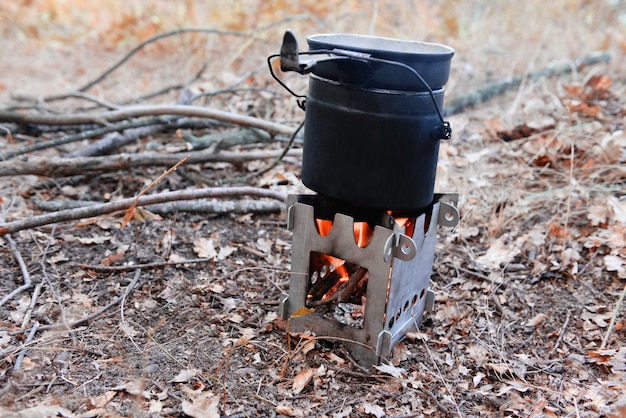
(344, 291)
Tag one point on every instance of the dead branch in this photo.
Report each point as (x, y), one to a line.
(20, 357)
(59, 166)
(129, 112)
(71, 95)
(491, 90)
(151, 40)
(218, 207)
(74, 324)
(344, 292)
(561, 334)
(116, 140)
(112, 207)
(66, 139)
(618, 307)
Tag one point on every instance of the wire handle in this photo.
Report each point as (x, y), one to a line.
(444, 131)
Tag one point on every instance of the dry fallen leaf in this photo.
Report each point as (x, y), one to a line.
(185, 376)
(301, 380)
(204, 248)
(290, 411)
(373, 409)
(537, 320)
(102, 400)
(389, 369)
(202, 405)
(615, 263)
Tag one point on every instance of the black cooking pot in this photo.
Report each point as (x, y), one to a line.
(430, 61)
(373, 117)
(376, 148)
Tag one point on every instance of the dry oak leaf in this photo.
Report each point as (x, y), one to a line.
(537, 320)
(373, 409)
(202, 405)
(290, 411)
(204, 248)
(301, 380)
(185, 376)
(391, 370)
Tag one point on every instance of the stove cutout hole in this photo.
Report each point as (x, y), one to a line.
(323, 226)
(337, 288)
(363, 232)
(407, 223)
(427, 219)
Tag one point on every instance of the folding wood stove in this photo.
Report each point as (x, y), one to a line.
(363, 247)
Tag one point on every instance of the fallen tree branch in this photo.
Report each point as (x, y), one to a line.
(491, 90)
(129, 112)
(193, 206)
(116, 140)
(59, 166)
(71, 95)
(218, 206)
(112, 207)
(66, 139)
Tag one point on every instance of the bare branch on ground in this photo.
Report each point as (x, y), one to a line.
(59, 166)
(112, 207)
(129, 112)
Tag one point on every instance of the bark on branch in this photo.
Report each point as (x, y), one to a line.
(129, 112)
(59, 166)
(106, 208)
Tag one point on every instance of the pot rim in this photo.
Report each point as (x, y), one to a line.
(381, 46)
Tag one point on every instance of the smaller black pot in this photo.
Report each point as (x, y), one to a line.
(431, 61)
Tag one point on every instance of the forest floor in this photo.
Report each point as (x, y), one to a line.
(528, 319)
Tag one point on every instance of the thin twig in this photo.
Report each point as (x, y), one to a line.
(42, 263)
(91, 316)
(20, 357)
(70, 95)
(151, 40)
(126, 331)
(278, 159)
(144, 266)
(111, 207)
(20, 261)
(31, 305)
(439, 374)
(561, 334)
(618, 306)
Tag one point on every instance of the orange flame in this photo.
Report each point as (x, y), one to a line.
(363, 233)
